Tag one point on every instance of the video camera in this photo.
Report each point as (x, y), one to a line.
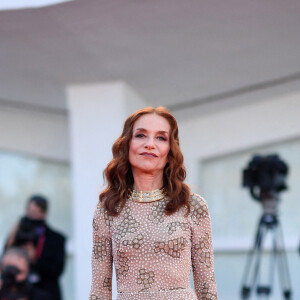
(265, 174)
(29, 231)
(11, 288)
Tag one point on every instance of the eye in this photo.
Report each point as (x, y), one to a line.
(162, 138)
(139, 135)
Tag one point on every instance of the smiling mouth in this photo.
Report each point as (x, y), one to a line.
(147, 154)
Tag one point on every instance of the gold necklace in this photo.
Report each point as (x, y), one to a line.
(147, 196)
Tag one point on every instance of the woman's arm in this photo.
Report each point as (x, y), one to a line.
(202, 250)
(101, 256)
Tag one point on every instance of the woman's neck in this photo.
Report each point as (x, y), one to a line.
(147, 182)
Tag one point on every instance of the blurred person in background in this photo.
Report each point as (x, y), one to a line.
(14, 284)
(45, 247)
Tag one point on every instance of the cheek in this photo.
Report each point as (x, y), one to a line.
(132, 146)
(132, 151)
(165, 154)
(167, 150)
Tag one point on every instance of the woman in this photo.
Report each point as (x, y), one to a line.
(147, 220)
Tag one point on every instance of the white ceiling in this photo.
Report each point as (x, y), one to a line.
(18, 4)
(171, 51)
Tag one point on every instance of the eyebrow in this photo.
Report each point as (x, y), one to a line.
(160, 131)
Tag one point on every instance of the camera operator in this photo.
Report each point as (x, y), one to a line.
(45, 247)
(14, 268)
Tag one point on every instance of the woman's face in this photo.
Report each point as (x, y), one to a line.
(150, 144)
(19, 262)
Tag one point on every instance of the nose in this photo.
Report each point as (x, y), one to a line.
(150, 143)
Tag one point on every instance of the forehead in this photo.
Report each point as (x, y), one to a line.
(13, 259)
(152, 122)
(33, 206)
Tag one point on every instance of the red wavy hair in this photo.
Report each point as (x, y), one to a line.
(118, 173)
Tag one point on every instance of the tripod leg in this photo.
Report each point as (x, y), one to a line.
(267, 289)
(254, 254)
(284, 275)
(255, 278)
(264, 290)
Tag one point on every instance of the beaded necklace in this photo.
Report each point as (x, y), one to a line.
(146, 196)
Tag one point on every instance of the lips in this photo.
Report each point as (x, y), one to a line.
(148, 154)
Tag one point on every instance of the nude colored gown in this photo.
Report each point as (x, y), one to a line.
(153, 253)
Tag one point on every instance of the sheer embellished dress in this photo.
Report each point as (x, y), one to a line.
(153, 253)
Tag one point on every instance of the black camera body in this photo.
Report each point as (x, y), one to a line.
(265, 174)
(11, 288)
(29, 231)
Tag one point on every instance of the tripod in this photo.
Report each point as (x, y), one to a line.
(269, 223)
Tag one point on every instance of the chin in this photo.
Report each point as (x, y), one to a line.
(151, 170)
(147, 167)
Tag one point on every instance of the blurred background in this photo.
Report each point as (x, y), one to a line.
(71, 72)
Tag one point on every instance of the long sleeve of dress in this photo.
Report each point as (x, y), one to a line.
(101, 256)
(202, 250)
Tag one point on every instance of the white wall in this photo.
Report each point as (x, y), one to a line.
(35, 133)
(238, 129)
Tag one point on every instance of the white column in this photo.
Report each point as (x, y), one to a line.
(97, 114)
